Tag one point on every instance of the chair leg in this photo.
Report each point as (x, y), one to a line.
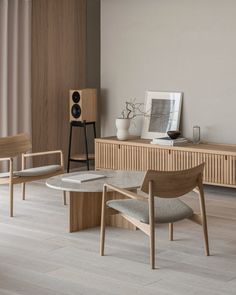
(205, 234)
(11, 199)
(103, 223)
(171, 231)
(204, 220)
(64, 197)
(152, 226)
(152, 246)
(23, 191)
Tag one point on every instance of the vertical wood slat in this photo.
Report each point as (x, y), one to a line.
(208, 168)
(227, 168)
(222, 173)
(234, 170)
(219, 169)
(230, 169)
(216, 167)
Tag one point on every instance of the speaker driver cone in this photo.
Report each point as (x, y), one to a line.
(76, 97)
(76, 111)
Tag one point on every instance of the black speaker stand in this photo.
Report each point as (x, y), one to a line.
(82, 158)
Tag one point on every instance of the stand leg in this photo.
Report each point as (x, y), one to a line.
(69, 151)
(94, 130)
(86, 145)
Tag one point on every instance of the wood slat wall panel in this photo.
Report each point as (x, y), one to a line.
(58, 64)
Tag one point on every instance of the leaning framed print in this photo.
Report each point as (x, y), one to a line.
(162, 113)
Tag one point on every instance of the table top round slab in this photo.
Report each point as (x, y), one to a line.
(122, 179)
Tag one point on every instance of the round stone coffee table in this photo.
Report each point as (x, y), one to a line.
(85, 199)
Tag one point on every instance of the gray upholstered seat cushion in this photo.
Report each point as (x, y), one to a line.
(166, 210)
(38, 171)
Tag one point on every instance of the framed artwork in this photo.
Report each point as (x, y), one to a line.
(162, 113)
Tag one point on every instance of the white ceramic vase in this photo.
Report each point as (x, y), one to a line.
(122, 126)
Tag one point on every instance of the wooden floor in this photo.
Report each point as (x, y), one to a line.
(38, 256)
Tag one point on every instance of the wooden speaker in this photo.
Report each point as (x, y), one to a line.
(83, 105)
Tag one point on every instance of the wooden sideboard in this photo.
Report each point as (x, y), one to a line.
(139, 154)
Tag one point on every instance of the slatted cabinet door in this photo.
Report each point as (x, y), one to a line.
(180, 160)
(143, 158)
(233, 169)
(218, 169)
(224, 172)
(106, 156)
(132, 158)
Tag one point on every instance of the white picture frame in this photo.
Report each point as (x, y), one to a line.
(162, 113)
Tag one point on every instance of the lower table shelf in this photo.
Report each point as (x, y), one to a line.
(82, 157)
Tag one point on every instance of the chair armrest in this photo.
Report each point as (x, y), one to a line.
(42, 153)
(125, 192)
(45, 153)
(10, 166)
(5, 159)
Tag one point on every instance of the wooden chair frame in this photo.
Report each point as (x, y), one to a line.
(25, 143)
(149, 229)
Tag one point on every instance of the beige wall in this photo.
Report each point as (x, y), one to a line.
(183, 45)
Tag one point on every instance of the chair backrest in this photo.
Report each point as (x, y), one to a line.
(172, 184)
(13, 146)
